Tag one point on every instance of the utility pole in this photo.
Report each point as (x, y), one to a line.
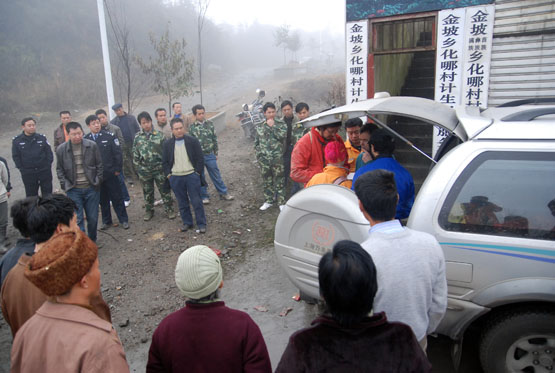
(106, 57)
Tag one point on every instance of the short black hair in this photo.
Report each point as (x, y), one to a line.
(19, 212)
(329, 125)
(368, 127)
(377, 192)
(158, 110)
(144, 115)
(348, 282)
(46, 213)
(90, 118)
(27, 119)
(268, 105)
(73, 126)
(383, 142)
(175, 120)
(176, 103)
(285, 103)
(100, 111)
(197, 107)
(353, 122)
(300, 106)
(65, 112)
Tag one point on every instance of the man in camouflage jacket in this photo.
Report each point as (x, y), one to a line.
(204, 131)
(269, 145)
(147, 159)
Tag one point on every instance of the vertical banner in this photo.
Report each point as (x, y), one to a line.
(464, 40)
(449, 64)
(478, 40)
(357, 61)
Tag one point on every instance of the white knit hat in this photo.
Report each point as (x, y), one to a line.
(198, 272)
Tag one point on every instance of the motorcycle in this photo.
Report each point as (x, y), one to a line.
(252, 115)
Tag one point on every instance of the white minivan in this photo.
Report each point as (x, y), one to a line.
(489, 201)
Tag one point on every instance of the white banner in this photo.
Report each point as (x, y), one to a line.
(357, 61)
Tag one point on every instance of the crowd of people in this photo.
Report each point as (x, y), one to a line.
(382, 297)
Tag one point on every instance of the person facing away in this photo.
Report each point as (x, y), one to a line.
(382, 146)
(412, 287)
(269, 148)
(46, 216)
(205, 335)
(64, 335)
(203, 130)
(349, 337)
(335, 171)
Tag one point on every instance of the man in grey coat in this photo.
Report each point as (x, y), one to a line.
(79, 169)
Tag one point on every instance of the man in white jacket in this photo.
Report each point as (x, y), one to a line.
(412, 287)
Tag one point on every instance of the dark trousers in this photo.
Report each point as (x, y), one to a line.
(187, 188)
(87, 200)
(124, 191)
(111, 191)
(289, 183)
(33, 180)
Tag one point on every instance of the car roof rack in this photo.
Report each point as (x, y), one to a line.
(529, 101)
(528, 115)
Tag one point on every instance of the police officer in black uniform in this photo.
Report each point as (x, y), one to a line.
(110, 190)
(33, 157)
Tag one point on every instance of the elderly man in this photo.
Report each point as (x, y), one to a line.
(187, 339)
(80, 172)
(349, 337)
(129, 127)
(147, 157)
(65, 335)
(412, 287)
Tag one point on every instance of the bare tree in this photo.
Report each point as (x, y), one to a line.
(170, 69)
(294, 44)
(335, 96)
(202, 8)
(281, 36)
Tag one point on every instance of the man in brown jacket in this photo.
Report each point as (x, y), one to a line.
(20, 298)
(64, 335)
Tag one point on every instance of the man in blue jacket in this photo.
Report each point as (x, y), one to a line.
(382, 146)
(129, 128)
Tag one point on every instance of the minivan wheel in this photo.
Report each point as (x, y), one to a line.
(519, 341)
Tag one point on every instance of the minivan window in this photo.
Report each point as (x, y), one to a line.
(505, 194)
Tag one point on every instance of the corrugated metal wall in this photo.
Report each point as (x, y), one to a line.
(523, 54)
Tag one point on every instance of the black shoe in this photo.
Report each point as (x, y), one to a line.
(105, 226)
(185, 228)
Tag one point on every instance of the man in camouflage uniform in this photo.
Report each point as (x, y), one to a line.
(269, 145)
(204, 131)
(147, 158)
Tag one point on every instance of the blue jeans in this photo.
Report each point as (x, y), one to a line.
(86, 199)
(124, 191)
(212, 166)
(187, 188)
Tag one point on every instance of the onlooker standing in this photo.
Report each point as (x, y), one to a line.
(187, 339)
(9, 186)
(303, 112)
(116, 131)
(412, 287)
(178, 113)
(382, 146)
(147, 158)
(3, 209)
(60, 133)
(353, 145)
(204, 131)
(129, 127)
(290, 120)
(162, 121)
(33, 157)
(308, 158)
(65, 335)
(335, 171)
(46, 217)
(110, 191)
(349, 337)
(24, 245)
(269, 145)
(365, 133)
(183, 165)
(80, 172)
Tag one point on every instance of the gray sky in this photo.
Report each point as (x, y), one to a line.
(308, 15)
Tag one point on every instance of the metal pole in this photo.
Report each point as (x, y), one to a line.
(106, 57)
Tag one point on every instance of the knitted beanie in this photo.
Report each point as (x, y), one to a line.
(335, 152)
(198, 272)
(61, 263)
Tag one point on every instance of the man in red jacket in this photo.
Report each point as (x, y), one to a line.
(308, 158)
